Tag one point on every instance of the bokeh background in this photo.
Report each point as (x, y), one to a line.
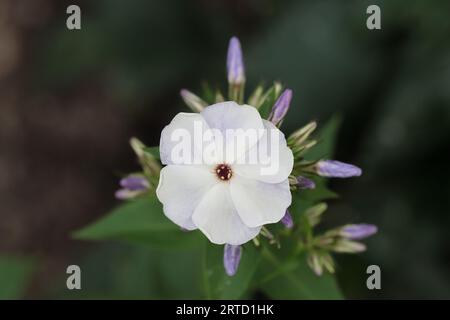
(70, 100)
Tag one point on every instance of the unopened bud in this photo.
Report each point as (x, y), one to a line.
(348, 246)
(314, 214)
(281, 107)
(358, 231)
(336, 169)
(231, 258)
(287, 220)
(300, 136)
(235, 63)
(194, 102)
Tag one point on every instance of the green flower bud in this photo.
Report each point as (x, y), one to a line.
(194, 102)
(314, 214)
(256, 98)
(302, 134)
(148, 162)
(347, 246)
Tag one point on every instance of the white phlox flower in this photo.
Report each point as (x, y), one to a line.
(229, 198)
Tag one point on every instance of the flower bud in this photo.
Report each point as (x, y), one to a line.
(348, 246)
(281, 107)
(318, 261)
(134, 183)
(314, 214)
(235, 63)
(358, 231)
(194, 102)
(148, 162)
(328, 262)
(287, 220)
(300, 136)
(126, 194)
(305, 183)
(231, 258)
(219, 97)
(336, 169)
(256, 98)
(132, 186)
(313, 261)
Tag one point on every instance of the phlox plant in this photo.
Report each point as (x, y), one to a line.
(256, 231)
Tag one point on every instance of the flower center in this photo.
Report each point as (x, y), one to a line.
(224, 172)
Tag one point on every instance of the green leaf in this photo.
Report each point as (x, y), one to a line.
(295, 280)
(140, 221)
(15, 274)
(218, 285)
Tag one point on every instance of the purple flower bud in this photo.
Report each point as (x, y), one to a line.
(358, 231)
(305, 183)
(281, 107)
(235, 63)
(337, 169)
(134, 183)
(132, 186)
(231, 258)
(287, 220)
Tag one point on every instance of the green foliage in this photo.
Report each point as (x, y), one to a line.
(15, 273)
(140, 221)
(297, 281)
(123, 271)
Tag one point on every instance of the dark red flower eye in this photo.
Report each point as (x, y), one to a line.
(224, 172)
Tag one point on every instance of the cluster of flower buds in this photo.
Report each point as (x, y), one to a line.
(339, 240)
(135, 185)
(147, 160)
(299, 141)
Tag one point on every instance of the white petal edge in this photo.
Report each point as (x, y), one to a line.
(277, 168)
(180, 190)
(218, 219)
(259, 203)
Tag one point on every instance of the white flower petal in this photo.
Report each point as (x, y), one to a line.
(272, 168)
(180, 190)
(258, 202)
(230, 117)
(218, 219)
(185, 129)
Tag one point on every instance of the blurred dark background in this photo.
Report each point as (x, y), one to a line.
(70, 100)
